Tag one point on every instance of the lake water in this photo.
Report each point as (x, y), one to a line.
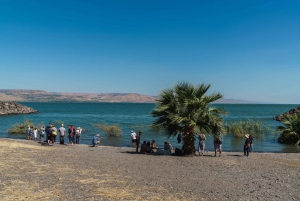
(129, 116)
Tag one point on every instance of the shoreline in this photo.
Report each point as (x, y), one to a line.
(9, 138)
(30, 171)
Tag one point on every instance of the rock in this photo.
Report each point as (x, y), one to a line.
(288, 113)
(11, 108)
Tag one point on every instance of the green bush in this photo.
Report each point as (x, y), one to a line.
(255, 128)
(20, 128)
(290, 131)
(110, 130)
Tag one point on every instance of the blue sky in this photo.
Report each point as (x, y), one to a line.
(246, 50)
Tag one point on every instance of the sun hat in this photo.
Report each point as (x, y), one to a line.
(247, 135)
(62, 124)
(98, 135)
(132, 131)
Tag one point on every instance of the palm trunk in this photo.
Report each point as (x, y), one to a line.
(189, 143)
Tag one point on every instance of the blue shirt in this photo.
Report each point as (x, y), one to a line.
(95, 139)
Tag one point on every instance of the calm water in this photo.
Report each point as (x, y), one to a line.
(130, 115)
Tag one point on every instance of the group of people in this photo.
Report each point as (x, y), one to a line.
(218, 141)
(51, 132)
(146, 147)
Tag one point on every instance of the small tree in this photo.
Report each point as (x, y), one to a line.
(290, 132)
(186, 109)
(111, 130)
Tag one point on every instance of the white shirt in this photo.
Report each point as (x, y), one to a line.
(133, 135)
(35, 132)
(62, 131)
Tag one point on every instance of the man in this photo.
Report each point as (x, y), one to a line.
(137, 141)
(218, 141)
(49, 133)
(95, 140)
(42, 134)
(73, 134)
(133, 138)
(70, 131)
(62, 132)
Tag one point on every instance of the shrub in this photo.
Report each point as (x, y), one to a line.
(290, 131)
(111, 130)
(20, 128)
(255, 128)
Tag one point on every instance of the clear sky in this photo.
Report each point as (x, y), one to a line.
(246, 50)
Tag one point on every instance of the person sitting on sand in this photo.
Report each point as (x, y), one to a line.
(95, 140)
(170, 146)
(153, 144)
(148, 148)
(143, 147)
(166, 146)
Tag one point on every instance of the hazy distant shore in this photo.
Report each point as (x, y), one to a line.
(109, 173)
(45, 96)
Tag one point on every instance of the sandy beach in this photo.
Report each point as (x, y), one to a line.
(31, 171)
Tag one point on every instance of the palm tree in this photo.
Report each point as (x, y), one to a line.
(186, 110)
(290, 132)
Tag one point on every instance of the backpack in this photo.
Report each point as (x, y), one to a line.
(218, 141)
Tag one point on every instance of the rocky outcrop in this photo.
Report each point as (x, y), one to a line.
(10, 108)
(288, 113)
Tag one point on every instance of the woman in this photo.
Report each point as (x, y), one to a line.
(143, 147)
(54, 134)
(251, 143)
(201, 144)
(217, 145)
(148, 148)
(247, 145)
(153, 144)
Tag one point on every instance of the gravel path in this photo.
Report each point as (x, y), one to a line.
(31, 171)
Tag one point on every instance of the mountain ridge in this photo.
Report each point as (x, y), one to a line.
(27, 95)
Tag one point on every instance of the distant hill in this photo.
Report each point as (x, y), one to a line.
(44, 96)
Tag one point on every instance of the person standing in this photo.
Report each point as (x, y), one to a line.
(251, 143)
(70, 131)
(28, 131)
(247, 145)
(62, 133)
(201, 147)
(42, 134)
(133, 138)
(137, 141)
(49, 133)
(73, 134)
(78, 134)
(218, 145)
(35, 133)
(54, 134)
